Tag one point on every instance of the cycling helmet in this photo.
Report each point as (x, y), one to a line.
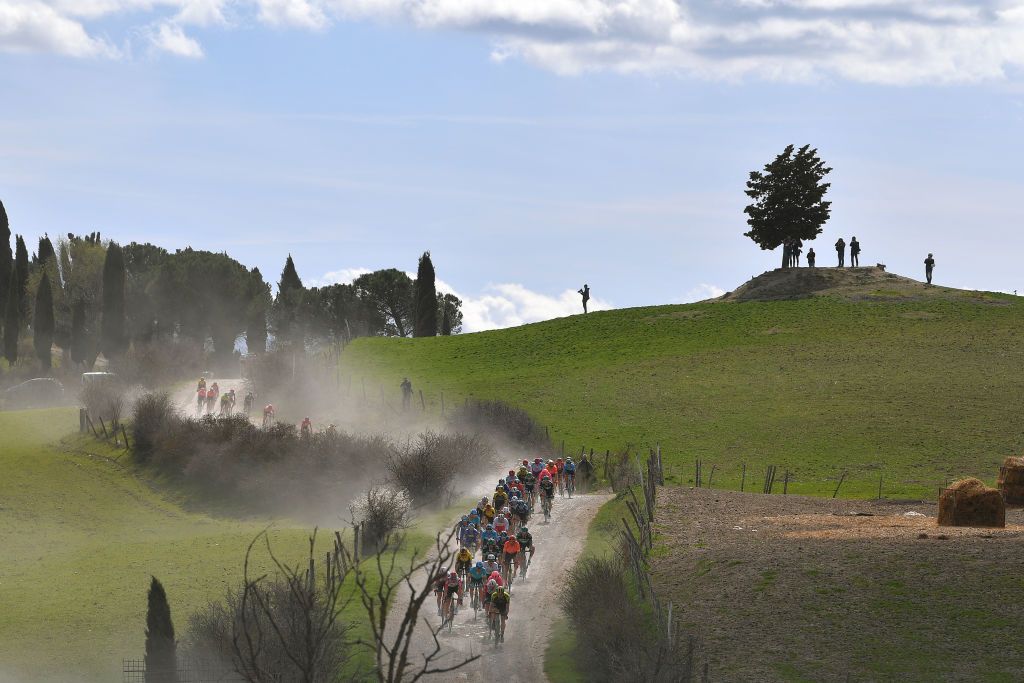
(551, 462)
(524, 530)
(490, 527)
(501, 482)
(479, 564)
(465, 518)
(492, 584)
(537, 460)
(512, 473)
(526, 462)
(490, 557)
(568, 459)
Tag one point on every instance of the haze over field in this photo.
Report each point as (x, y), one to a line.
(531, 146)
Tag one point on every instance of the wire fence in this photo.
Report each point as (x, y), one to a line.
(187, 671)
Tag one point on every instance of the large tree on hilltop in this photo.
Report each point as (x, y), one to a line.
(113, 340)
(256, 322)
(425, 299)
(161, 659)
(42, 323)
(389, 292)
(788, 199)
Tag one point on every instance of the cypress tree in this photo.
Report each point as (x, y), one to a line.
(425, 299)
(112, 332)
(161, 664)
(42, 323)
(288, 305)
(79, 340)
(12, 322)
(46, 251)
(21, 277)
(6, 260)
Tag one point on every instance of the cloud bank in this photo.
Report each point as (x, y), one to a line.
(498, 306)
(875, 41)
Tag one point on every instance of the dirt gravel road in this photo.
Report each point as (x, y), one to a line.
(520, 659)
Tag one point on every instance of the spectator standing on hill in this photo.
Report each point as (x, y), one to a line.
(841, 251)
(929, 263)
(585, 293)
(798, 248)
(854, 252)
(810, 257)
(406, 393)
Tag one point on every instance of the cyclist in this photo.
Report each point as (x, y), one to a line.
(501, 522)
(569, 470)
(559, 465)
(489, 539)
(211, 398)
(547, 490)
(488, 513)
(536, 467)
(201, 398)
(500, 498)
(477, 574)
(529, 486)
(451, 588)
(481, 505)
(439, 582)
(202, 383)
(460, 526)
(520, 510)
(474, 518)
(511, 477)
(248, 402)
(306, 429)
(517, 487)
(526, 546)
(510, 558)
(268, 414)
(499, 604)
(491, 566)
(225, 404)
(523, 469)
(463, 561)
(471, 536)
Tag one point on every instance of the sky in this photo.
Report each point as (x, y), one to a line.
(531, 146)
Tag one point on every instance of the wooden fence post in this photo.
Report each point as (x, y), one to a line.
(442, 403)
(743, 478)
(423, 403)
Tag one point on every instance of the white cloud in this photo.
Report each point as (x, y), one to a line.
(345, 276)
(170, 37)
(702, 292)
(297, 13)
(498, 306)
(878, 41)
(34, 26)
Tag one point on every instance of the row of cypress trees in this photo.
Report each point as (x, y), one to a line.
(15, 308)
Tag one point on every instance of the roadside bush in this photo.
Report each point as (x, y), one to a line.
(381, 512)
(151, 417)
(260, 629)
(426, 468)
(104, 399)
(507, 422)
(616, 639)
(623, 471)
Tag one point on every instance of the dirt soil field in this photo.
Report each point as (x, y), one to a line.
(791, 588)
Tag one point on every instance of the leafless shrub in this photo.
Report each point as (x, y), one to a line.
(381, 511)
(623, 471)
(104, 400)
(617, 639)
(151, 417)
(507, 422)
(426, 468)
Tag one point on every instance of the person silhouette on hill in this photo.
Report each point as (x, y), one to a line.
(854, 252)
(406, 393)
(929, 264)
(841, 251)
(585, 293)
(810, 257)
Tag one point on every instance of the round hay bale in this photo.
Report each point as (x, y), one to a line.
(1011, 480)
(969, 502)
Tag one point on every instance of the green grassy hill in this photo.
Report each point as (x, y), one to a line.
(815, 372)
(79, 539)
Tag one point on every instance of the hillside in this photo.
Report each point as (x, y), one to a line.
(855, 370)
(81, 537)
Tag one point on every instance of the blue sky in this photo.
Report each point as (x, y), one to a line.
(531, 146)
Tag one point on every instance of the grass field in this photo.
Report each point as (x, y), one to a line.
(915, 385)
(80, 538)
